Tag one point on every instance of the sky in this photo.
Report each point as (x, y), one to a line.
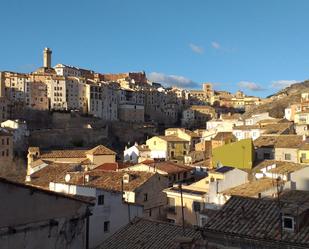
(255, 46)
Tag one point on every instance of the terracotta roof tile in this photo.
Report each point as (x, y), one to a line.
(172, 139)
(257, 219)
(253, 188)
(100, 150)
(150, 234)
(170, 167)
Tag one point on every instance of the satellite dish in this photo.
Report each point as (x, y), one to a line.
(67, 178)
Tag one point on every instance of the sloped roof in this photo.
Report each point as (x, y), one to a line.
(172, 139)
(281, 166)
(100, 150)
(150, 234)
(253, 188)
(224, 135)
(279, 141)
(107, 180)
(78, 153)
(170, 167)
(257, 219)
(63, 154)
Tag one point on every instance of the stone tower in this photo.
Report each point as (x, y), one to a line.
(47, 57)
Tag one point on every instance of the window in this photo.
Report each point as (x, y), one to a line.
(288, 223)
(287, 156)
(171, 205)
(196, 206)
(266, 155)
(146, 197)
(106, 226)
(101, 200)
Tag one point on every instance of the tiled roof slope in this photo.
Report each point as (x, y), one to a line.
(279, 141)
(107, 180)
(170, 167)
(143, 233)
(257, 219)
(100, 150)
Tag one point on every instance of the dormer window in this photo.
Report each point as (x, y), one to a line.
(288, 223)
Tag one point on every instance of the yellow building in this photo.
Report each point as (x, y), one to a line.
(190, 136)
(303, 154)
(193, 202)
(168, 147)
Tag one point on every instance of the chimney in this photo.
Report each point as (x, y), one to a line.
(67, 178)
(126, 178)
(87, 178)
(28, 178)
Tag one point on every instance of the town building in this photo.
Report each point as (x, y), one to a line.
(199, 196)
(93, 157)
(136, 153)
(37, 218)
(3, 109)
(197, 115)
(255, 131)
(190, 136)
(20, 133)
(168, 147)
(268, 223)
(174, 172)
(6, 148)
(120, 196)
(238, 154)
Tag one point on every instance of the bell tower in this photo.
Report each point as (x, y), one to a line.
(47, 57)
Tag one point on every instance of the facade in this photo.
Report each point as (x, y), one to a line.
(41, 218)
(92, 158)
(202, 195)
(287, 149)
(136, 153)
(197, 115)
(6, 148)
(190, 136)
(131, 113)
(168, 147)
(38, 99)
(239, 155)
(3, 109)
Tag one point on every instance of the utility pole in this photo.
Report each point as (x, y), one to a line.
(182, 210)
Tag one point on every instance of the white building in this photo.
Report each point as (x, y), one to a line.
(136, 153)
(19, 128)
(65, 70)
(109, 214)
(257, 117)
(56, 92)
(102, 101)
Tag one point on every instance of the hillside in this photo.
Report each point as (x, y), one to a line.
(281, 100)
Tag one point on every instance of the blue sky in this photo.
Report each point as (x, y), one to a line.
(257, 46)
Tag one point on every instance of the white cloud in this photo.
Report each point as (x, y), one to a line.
(196, 49)
(172, 80)
(215, 45)
(252, 86)
(280, 84)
